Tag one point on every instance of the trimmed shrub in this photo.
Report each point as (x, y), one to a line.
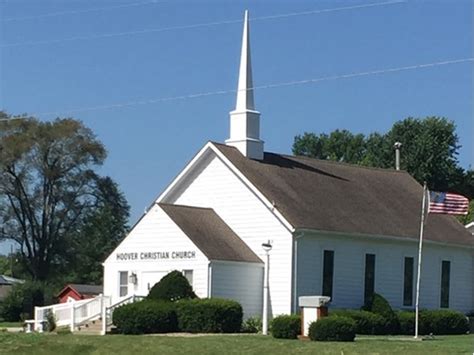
(286, 326)
(379, 305)
(172, 287)
(334, 328)
(252, 325)
(212, 315)
(438, 322)
(365, 322)
(443, 322)
(407, 322)
(146, 317)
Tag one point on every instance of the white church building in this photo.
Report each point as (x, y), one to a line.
(336, 229)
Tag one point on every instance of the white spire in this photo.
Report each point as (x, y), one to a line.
(245, 120)
(245, 88)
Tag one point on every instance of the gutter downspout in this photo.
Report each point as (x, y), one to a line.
(295, 269)
(209, 280)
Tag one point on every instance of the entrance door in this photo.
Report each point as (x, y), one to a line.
(149, 279)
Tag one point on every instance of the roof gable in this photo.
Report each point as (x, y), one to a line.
(337, 197)
(210, 233)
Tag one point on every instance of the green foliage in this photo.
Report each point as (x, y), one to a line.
(48, 185)
(407, 322)
(335, 328)
(339, 145)
(252, 325)
(172, 287)
(286, 326)
(103, 228)
(18, 271)
(211, 315)
(365, 322)
(429, 152)
(50, 321)
(11, 307)
(379, 305)
(438, 322)
(443, 322)
(145, 317)
(21, 300)
(470, 215)
(63, 331)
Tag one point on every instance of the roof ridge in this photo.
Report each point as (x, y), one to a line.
(389, 170)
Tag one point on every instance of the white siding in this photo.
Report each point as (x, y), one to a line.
(156, 232)
(215, 185)
(242, 282)
(349, 268)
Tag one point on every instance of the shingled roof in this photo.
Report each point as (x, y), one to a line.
(338, 197)
(210, 233)
(87, 289)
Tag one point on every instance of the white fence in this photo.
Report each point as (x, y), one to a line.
(71, 314)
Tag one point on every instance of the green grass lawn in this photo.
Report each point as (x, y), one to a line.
(11, 324)
(224, 344)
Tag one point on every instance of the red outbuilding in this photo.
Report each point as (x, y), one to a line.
(76, 292)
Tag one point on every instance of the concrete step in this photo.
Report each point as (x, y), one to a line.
(91, 328)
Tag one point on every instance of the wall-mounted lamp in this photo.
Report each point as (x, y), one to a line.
(133, 278)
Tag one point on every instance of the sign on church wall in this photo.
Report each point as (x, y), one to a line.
(157, 255)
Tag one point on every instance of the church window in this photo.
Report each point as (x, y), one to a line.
(123, 283)
(328, 273)
(445, 276)
(369, 281)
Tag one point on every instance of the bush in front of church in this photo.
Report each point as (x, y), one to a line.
(438, 322)
(366, 323)
(146, 317)
(379, 305)
(286, 326)
(335, 328)
(210, 315)
(252, 325)
(172, 287)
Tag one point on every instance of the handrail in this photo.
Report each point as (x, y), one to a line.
(65, 313)
(93, 309)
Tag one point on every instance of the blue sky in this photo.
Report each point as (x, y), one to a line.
(149, 144)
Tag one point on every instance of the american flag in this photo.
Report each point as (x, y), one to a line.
(448, 203)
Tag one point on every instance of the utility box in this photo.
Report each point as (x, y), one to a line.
(312, 308)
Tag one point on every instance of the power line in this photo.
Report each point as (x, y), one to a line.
(260, 87)
(74, 12)
(199, 25)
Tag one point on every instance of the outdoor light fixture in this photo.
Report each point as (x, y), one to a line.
(266, 247)
(133, 278)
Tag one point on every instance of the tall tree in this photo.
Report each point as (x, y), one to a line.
(102, 230)
(429, 151)
(47, 184)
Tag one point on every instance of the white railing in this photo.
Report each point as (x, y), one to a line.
(71, 314)
(108, 311)
(62, 313)
(90, 310)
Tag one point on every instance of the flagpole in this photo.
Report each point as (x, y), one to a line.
(418, 275)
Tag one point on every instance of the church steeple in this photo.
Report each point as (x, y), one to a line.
(245, 120)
